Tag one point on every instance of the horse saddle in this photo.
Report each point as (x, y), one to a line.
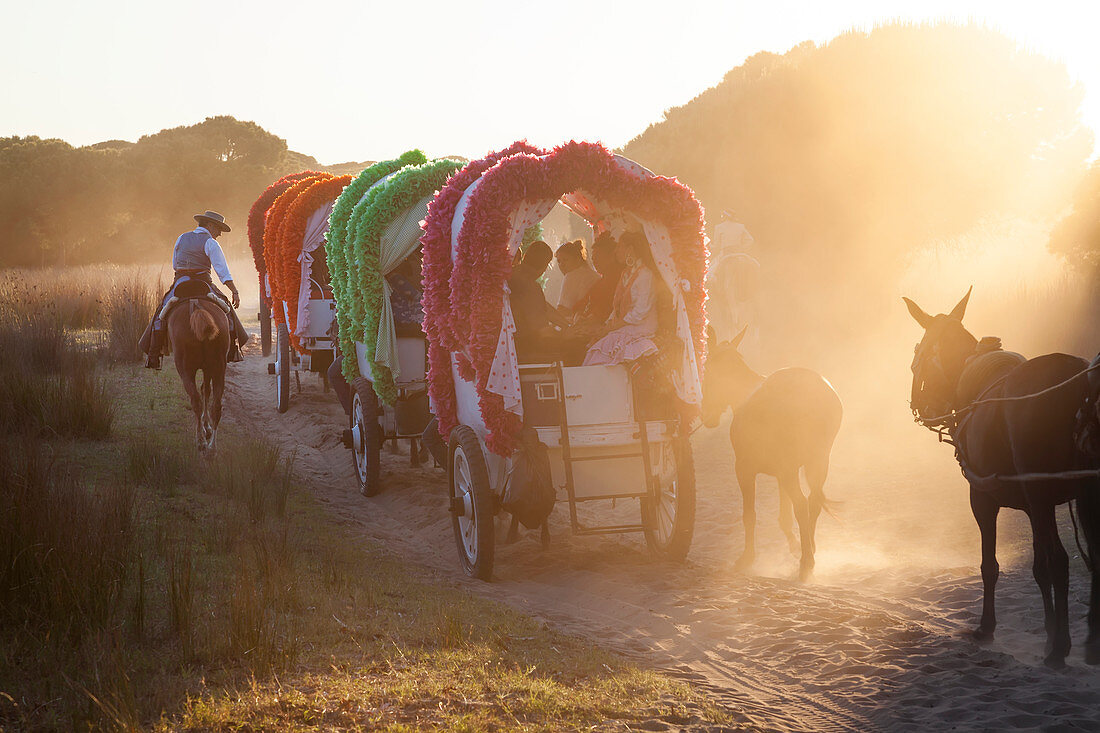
(189, 288)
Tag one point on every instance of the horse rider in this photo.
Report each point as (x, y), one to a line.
(733, 283)
(194, 254)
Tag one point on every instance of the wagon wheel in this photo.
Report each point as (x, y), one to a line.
(282, 368)
(265, 326)
(668, 519)
(366, 437)
(471, 504)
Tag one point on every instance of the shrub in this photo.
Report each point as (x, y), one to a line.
(129, 309)
(67, 551)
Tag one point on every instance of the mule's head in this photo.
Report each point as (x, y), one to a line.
(727, 380)
(939, 359)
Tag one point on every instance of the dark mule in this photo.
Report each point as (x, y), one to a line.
(995, 440)
(198, 331)
(781, 423)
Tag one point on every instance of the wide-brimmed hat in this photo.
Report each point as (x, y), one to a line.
(214, 218)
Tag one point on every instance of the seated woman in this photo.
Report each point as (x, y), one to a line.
(595, 307)
(629, 332)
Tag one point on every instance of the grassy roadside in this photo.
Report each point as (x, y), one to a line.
(235, 603)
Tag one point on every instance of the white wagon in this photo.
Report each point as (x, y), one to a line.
(615, 434)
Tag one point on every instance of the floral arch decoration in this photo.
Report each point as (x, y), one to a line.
(343, 266)
(382, 231)
(438, 266)
(301, 232)
(278, 261)
(467, 315)
(257, 218)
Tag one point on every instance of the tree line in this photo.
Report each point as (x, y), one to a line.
(843, 159)
(126, 202)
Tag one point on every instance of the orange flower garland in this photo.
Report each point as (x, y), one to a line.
(274, 257)
(292, 232)
(257, 216)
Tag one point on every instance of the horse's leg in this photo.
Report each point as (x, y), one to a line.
(1040, 570)
(746, 481)
(792, 488)
(188, 377)
(1049, 550)
(215, 406)
(208, 431)
(1088, 514)
(786, 522)
(985, 511)
(817, 470)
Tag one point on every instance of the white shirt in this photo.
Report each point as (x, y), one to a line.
(217, 257)
(730, 238)
(576, 284)
(642, 298)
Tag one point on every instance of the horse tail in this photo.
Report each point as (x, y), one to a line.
(817, 470)
(203, 324)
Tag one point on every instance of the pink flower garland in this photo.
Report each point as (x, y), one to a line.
(482, 265)
(436, 301)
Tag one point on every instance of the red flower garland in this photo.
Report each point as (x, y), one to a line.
(256, 216)
(274, 257)
(292, 232)
(482, 265)
(436, 245)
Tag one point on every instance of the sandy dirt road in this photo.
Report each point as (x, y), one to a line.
(875, 642)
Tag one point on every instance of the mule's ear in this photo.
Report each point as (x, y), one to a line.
(960, 310)
(919, 316)
(737, 339)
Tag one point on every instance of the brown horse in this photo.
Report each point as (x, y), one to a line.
(781, 423)
(1004, 431)
(198, 331)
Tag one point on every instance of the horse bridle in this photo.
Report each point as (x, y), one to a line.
(927, 364)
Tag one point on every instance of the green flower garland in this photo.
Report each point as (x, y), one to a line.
(368, 222)
(341, 267)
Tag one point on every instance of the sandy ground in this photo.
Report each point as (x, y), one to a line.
(877, 641)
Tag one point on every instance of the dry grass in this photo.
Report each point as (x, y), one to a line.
(142, 587)
(237, 603)
(49, 383)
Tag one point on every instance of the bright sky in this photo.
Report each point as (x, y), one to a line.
(363, 79)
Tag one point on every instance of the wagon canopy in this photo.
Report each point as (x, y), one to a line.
(296, 225)
(379, 228)
(477, 223)
(257, 220)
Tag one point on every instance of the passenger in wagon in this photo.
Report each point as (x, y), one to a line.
(577, 276)
(595, 307)
(628, 333)
(537, 339)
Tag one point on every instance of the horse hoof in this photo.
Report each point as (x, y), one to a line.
(805, 575)
(744, 564)
(1055, 661)
(981, 634)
